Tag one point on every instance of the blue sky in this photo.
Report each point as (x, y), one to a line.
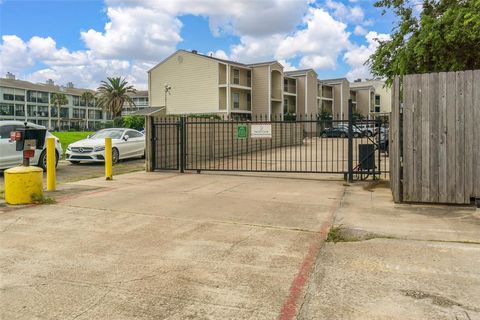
(85, 41)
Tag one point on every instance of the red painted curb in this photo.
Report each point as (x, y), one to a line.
(289, 307)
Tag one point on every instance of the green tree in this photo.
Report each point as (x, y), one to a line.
(433, 36)
(58, 99)
(88, 97)
(113, 93)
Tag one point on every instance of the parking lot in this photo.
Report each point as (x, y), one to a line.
(67, 172)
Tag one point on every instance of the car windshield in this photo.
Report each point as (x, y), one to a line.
(114, 134)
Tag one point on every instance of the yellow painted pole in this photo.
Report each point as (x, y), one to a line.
(51, 159)
(108, 158)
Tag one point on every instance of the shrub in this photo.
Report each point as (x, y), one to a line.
(118, 122)
(134, 122)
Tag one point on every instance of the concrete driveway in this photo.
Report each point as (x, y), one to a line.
(165, 246)
(171, 246)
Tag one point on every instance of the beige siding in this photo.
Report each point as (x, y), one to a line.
(222, 73)
(260, 90)
(311, 93)
(222, 98)
(301, 95)
(194, 82)
(363, 101)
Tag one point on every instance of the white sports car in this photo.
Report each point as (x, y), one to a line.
(126, 143)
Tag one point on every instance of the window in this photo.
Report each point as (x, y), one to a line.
(53, 112)
(285, 85)
(19, 97)
(42, 111)
(32, 96)
(32, 110)
(5, 131)
(6, 109)
(42, 97)
(377, 100)
(94, 114)
(19, 110)
(7, 96)
(64, 113)
(236, 76)
(79, 113)
(249, 78)
(134, 134)
(76, 101)
(377, 108)
(285, 106)
(249, 101)
(236, 100)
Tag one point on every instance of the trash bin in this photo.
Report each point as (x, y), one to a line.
(366, 154)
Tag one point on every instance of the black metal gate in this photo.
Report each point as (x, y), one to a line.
(306, 144)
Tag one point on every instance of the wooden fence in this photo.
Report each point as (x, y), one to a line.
(435, 137)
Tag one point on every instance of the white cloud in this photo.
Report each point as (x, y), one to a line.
(287, 66)
(360, 31)
(141, 33)
(345, 13)
(14, 55)
(135, 33)
(358, 55)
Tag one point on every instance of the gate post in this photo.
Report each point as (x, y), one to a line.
(350, 140)
(183, 138)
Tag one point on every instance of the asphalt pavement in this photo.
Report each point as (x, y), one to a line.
(67, 172)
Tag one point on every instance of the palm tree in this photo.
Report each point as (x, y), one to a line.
(58, 99)
(113, 94)
(88, 97)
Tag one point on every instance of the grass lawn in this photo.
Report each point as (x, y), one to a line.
(67, 137)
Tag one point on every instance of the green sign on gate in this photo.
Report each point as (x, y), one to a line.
(242, 131)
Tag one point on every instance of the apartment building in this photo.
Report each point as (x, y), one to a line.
(380, 96)
(201, 84)
(140, 99)
(27, 101)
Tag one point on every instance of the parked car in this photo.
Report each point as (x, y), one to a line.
(340, 131)
(367, 130)
(357, 132)
(10, 157)
(126, 143)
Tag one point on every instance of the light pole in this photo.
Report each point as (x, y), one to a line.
(167, 88)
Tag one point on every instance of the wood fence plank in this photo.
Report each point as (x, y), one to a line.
(451, 98)
(394, 144)
(433, 131)
(469, 137)
(417, 138)
(442, 138)
(425, 138)
(460, 138)
(476, 132)
(408, 179)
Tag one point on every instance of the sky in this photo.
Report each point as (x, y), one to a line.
(85, 41)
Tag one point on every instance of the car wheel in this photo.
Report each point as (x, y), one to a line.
(74, 162)
(324, 135)
(356, 135)
(342, 135)
(42, 160)
(115, 156)
(369, 133)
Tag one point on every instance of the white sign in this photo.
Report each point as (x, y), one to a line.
(261, 131)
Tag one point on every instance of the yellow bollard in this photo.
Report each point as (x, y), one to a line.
(21, 183)
(108, 158)
(51, 159)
